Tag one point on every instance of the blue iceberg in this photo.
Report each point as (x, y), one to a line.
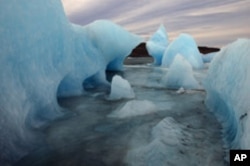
(228, 86)
(157, 44)
(180, 74)
(207, 58)
(42, 57)
(186, 46)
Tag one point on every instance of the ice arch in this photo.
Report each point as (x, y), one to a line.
(42, 55)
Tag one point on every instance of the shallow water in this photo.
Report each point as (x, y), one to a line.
(180, 131)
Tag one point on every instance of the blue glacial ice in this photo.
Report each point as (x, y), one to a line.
(157, 44)
(207, 58)
(228, 92)
(180, 74)
(186, 46)
(43, 56)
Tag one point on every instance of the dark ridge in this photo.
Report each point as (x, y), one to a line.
(141, 50)
(206, 50)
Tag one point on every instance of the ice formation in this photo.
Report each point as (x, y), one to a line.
(43, 56)
(120, 89)
(207, 58)
(186, 46)
(227, 86)
(166, 137)
(157, 44)
(180, 74)
(134, 108)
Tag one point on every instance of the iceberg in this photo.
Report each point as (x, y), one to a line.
(120, 89)
(43, 56)
(134, 108)
(227, 86)
(180, 75)
(157, 44)
(186, 46)
(207, 58)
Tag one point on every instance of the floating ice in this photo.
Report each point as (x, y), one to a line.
(120, 89)
(180, 74)
(43, 56)
(181, 90)
(134, 108)
(227, 86)
(157, 44)
(186, 46)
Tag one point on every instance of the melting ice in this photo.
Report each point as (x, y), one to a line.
(44, 58)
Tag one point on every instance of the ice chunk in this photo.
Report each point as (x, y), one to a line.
(134, 108)
(181, 90)
(168, 131)
(166, 137)
(43, 56)
(227, 86)
(186, 46)
(180, 74)
(157, 44)
(120, 89)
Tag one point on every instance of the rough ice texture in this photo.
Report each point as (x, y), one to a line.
(180, 74)
(157, 44)
(134, 108)
(166, 137)
(186, 46)
(120, 89)
(228, 86)
(43, 56)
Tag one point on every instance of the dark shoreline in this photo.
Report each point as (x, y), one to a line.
(141, 51)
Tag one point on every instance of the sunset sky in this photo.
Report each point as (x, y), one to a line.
(210, 22)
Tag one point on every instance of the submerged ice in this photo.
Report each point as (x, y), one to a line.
(227, 86)
(43, 56)
(134, 108)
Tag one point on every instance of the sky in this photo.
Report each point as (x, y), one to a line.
(213, 23)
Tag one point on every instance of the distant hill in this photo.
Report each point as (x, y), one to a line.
(206, 50)
(141, 51)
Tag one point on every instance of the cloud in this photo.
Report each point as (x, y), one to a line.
(211, 22)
